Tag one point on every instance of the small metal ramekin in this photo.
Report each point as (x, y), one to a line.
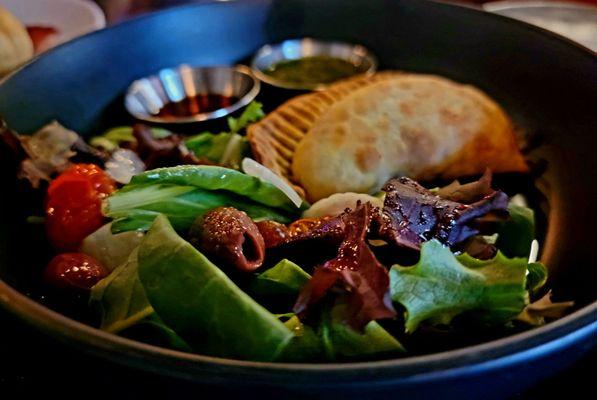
(295, 49)
(145, 97)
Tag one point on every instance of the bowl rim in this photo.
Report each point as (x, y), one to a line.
(61, 326)
(549, 337)
(502, 5)
(202, 116)
(367, 55)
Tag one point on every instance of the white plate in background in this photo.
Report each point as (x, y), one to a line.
(71, 18)
(576, 21)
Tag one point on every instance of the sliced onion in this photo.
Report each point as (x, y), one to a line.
(231, 147)
(123, 165)
(534, 251)
(253, 168)
(519, 200)
(338, 202)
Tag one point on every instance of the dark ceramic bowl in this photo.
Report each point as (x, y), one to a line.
(548, 85)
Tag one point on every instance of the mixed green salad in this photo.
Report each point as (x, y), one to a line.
(186, 242)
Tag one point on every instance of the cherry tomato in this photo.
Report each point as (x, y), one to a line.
(74, 271)
(73, 204)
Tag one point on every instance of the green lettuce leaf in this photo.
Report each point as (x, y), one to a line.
(209, 177)
(136, 209)
(227, 149)
(331, 339)
(341, 342)
(114, 137)
(186, 192)
(285, 278)
(305, 345)
(121, 298)
(153, 330)
(201, 304)
(517, 233)
(441, 286)
(110, 249)
(125, 310)
(537, 276)
(253, 112)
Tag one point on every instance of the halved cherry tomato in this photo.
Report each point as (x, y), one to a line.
(73, 204)
(74, 271)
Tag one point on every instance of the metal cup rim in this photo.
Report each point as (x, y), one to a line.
(365, 53)
(200, 117)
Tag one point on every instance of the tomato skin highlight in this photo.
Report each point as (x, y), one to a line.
(73, 204)
(75, 271)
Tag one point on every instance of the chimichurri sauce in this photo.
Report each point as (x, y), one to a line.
(313, 70)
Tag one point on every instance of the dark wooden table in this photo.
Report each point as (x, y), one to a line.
(32, 364)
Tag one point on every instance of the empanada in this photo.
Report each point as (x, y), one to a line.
(420, 126)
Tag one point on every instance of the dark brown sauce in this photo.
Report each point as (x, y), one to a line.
(202, 103)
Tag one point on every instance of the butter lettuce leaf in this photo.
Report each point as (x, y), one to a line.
(208, 177)
(120, 297)
(441, 286)
(110, 249)
(201, 304)
(186, 192)
(136, 208)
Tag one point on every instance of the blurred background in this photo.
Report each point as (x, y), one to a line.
(119, 9)
(30, 27)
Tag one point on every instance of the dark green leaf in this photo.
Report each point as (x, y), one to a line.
(201, 304)
(152, 330)
(285, 278)
(537, 276)
(334, 340)
(344, 343)
(516, 234)
(305, 346)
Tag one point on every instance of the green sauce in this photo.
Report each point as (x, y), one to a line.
(313, 70)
